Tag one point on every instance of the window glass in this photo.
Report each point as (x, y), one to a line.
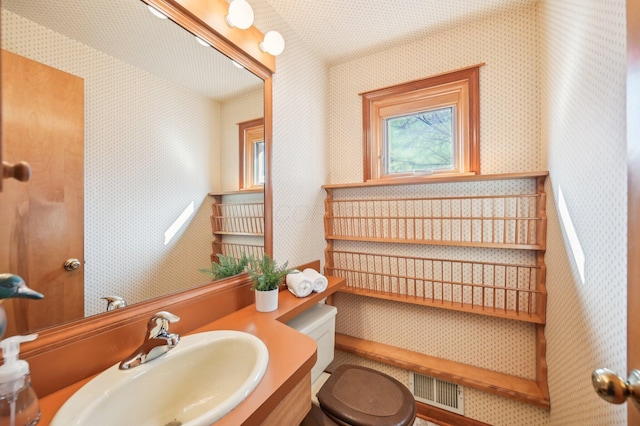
(420, 142)
(252, 155)
(258, 163)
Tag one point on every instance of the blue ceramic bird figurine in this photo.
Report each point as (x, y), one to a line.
(13, 286)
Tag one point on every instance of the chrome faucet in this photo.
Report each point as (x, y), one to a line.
(157, 340)
(114, 302)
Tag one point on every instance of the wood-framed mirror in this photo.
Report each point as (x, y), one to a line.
(205, 19)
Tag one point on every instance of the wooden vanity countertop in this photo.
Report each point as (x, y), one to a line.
(291, 357)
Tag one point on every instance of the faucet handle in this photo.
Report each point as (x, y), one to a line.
(159, 323)
(114, 302)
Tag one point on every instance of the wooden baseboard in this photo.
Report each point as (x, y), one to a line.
(443, 417)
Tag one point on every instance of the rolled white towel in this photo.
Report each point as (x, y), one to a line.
(299, 284)
(320, 282)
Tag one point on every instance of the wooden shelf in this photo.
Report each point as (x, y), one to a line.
(504, 290)
(511, 290)
(500, 221)
(249, 234)
(505, 385)
(235, 250)
(449, 305)
(239, 192)
(438, 179)
(439, 243)
(241, 219)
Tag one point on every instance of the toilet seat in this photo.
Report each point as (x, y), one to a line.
(360, 396)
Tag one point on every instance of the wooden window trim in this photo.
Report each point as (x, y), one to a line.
(244, 128)
(470, 75)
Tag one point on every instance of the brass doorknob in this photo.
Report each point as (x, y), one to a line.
(71, 264)
(20, 171)
(614, 389)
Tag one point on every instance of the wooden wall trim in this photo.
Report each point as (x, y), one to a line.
(633, 179)
(438, 179)
(268, 191)
(470, 75)
(445, 418)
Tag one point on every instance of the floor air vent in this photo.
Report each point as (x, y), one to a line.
(445, 395)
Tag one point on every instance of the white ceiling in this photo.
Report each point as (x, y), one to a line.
(341, 30)
(336, 30)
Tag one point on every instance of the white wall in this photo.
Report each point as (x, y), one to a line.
(300, 153)
(509, 96)
(583, 137)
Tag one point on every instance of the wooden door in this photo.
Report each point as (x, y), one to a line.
(633, 144)
(41, 221)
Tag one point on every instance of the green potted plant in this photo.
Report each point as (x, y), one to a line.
(227, 266)
(267, 277)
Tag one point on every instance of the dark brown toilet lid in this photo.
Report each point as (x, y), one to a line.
(361, 396)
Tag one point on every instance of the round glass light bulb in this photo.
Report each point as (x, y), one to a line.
(156, 12)
(240, 14)
(273, 43)
(203, 42)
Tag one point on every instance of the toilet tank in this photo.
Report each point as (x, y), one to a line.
(319, 322)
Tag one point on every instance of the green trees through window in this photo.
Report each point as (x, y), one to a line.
(421, 142)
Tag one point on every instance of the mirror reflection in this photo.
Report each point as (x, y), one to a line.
(130, 125)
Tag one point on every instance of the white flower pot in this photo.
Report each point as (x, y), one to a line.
(267, 301)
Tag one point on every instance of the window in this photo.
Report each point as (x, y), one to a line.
(252, 154)
(424, 127)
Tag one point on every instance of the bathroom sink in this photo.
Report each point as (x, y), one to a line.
(199, 381)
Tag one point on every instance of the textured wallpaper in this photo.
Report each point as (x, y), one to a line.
(149, 151)
(583, 72)
(300, 153)
(509, 93)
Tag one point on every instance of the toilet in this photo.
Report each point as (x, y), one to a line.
(352, 395)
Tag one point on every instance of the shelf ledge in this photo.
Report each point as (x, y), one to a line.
(439, 242)
(505, 385)
(437, 179)
(238, 192)
(445, 304)
(248, 234)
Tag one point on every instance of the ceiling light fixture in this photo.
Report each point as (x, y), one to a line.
(273, 43)
(240, 14)
(156, 12)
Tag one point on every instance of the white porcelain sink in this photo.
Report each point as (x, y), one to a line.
(199, 381)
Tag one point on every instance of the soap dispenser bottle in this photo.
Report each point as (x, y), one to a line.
(18, 401)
